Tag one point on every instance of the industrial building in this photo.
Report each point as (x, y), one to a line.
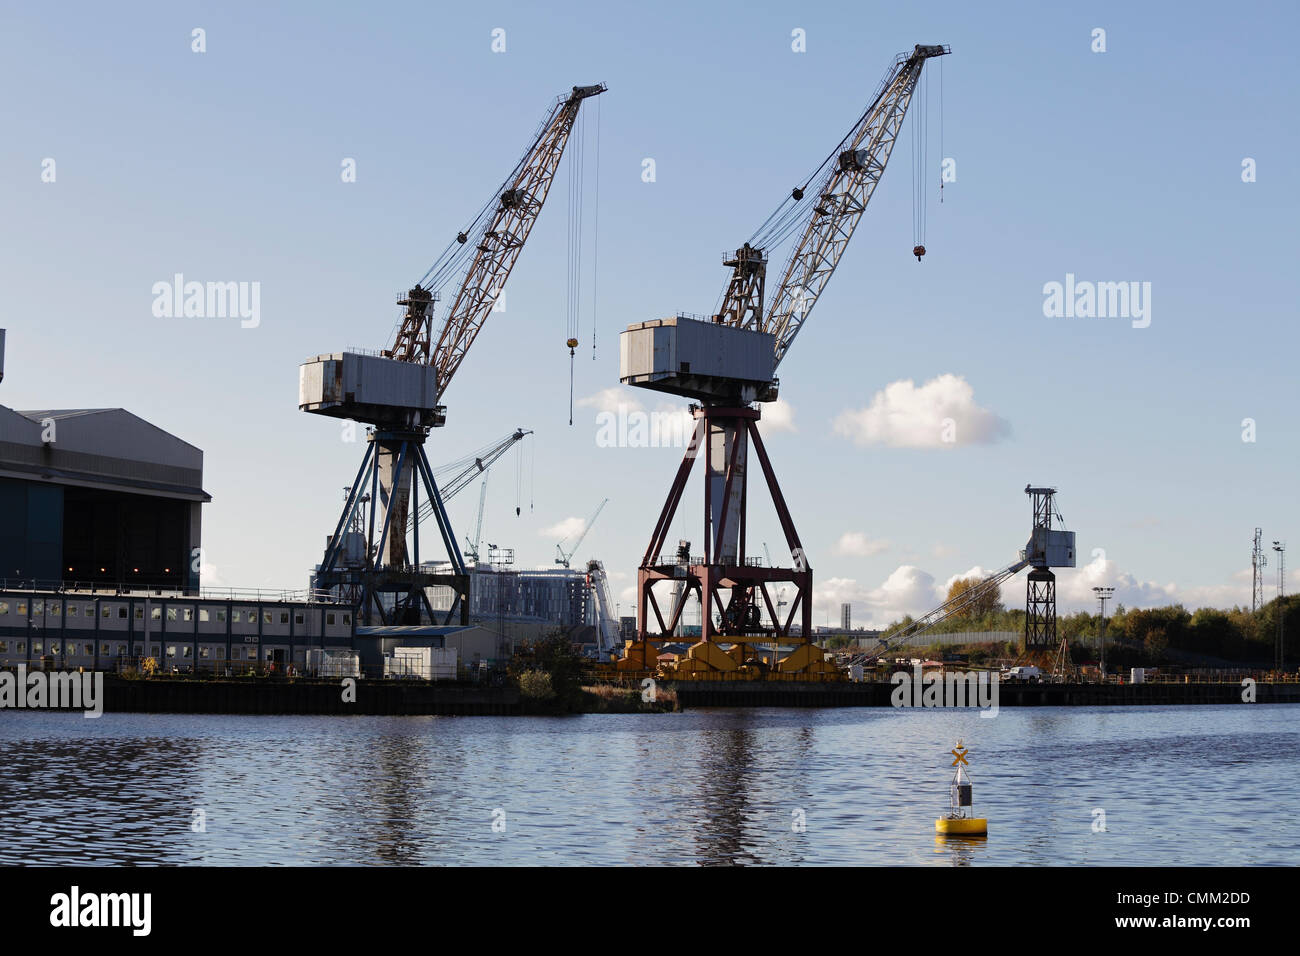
(525, 605)
(97, 496)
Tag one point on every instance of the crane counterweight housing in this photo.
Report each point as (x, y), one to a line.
(1050, 548)
(369, 388)
(699, 359)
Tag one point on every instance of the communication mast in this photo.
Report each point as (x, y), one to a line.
(1257, 564)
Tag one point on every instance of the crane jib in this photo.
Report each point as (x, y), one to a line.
(835, 205)
(495, 244)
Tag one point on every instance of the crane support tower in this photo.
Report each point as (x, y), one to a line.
(727, 363)
(399, 390)
(1049, 547)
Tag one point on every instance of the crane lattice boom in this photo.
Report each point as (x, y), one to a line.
(948, 608)
(497, 244)
(837, 202)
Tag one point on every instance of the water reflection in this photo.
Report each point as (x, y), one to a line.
(960, 848)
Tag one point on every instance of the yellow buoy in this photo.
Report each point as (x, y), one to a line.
(962, 825)
(960, 818)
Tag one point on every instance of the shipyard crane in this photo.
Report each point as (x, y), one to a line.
(465, 470)
(563, 557)
(471, 547)
(728, 365)
(1049, 546)
(602, 609)
(399, 390)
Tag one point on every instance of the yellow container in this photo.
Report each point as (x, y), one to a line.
(967, 825)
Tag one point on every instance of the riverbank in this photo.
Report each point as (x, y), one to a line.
(1009, 694)
(370, 697)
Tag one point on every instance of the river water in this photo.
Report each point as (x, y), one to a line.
(1178, 785)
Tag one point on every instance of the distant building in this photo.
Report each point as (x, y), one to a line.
(523, 605)
(846, 616)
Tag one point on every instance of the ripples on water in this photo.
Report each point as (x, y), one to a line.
(1189, 785)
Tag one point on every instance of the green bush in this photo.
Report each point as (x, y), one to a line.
(536, 685)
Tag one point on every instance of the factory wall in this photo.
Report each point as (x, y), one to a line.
(31, 530)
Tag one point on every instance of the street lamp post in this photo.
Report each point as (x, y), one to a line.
(1104, 594)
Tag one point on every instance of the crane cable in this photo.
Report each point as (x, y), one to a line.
(920, 151)
(573, 290)
(595, 238)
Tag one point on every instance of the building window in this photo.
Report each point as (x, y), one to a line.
(54, 647)
(221, 616)
(171, 614)
(297, 618)
(347, 618)
(104, 649)
(153, 650)
(236, 653)
(4, 647)
(121, 613)
(203, 615)
(266, 617)
(90, 650)
(21, 607)
(189, 614)
(284, 617)
(53, 609)
(187, 651)
(203, 652)
(329, 618)
(72, 610)
(234, 617)
(155, 614)
(4, 607)
(107, 612)
(21, 648)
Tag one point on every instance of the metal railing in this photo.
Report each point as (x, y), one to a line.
(102, 589)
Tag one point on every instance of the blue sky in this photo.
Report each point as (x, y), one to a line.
(1116, 166)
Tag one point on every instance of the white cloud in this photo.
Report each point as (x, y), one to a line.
(941, 412)
(778, 416)
(564, 529)
(942, 550)
(975, 572)
(611, 400)
(858, 545)
(908, 590)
